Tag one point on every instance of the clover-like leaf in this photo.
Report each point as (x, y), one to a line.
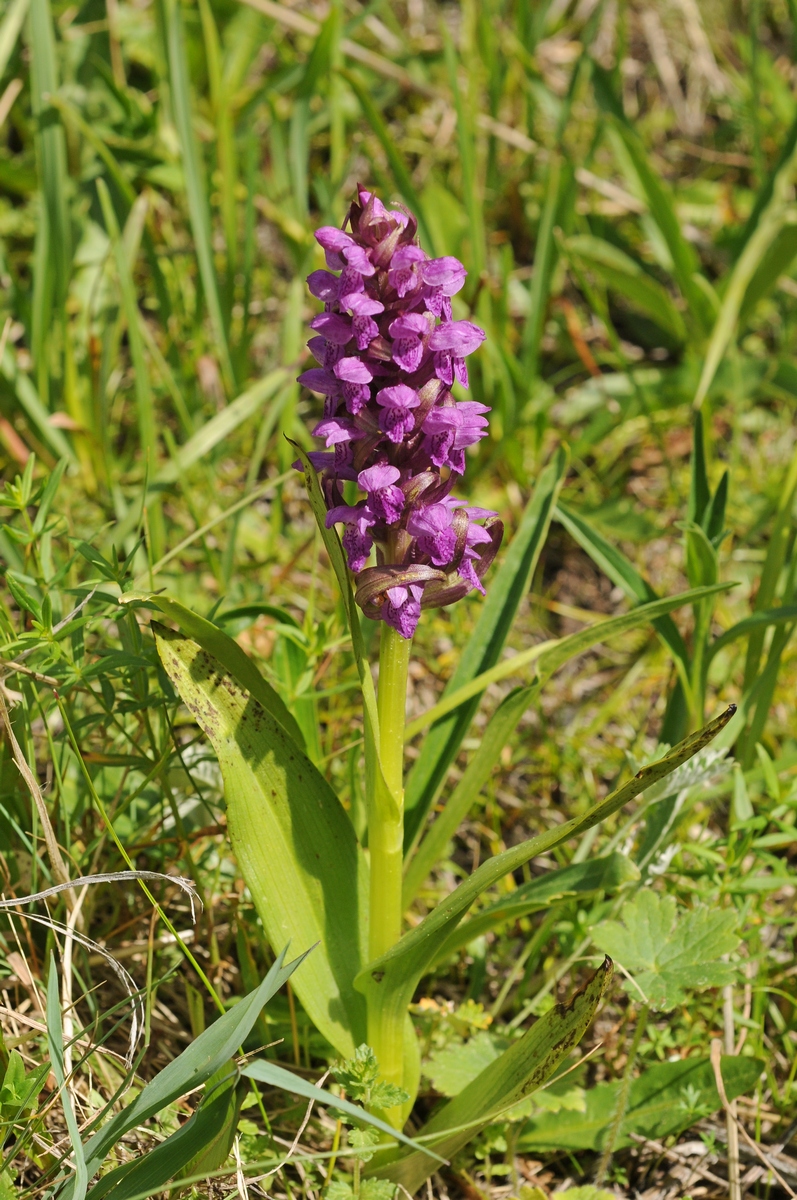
(668, 955)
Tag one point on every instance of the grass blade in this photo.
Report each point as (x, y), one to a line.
(221, 426)
(768, 227)
(578, 880)
(10, 27)
(431, 849)
(392, 153)
(552, 654)
(196, 188)
(622, 573)
(277, 1076)
(145, 406)
(206, 1055)
(55, 1042)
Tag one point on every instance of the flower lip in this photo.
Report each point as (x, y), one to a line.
(458, 337)
(361, 305)
(319, 380)
(408, 325)
(323, 285)
(353, 370)
(399, 396)
(373, 479)
(446, 273)
(333, 327)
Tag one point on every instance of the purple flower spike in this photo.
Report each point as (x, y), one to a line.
(389, 354)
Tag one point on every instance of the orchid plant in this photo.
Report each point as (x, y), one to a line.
(391, 369)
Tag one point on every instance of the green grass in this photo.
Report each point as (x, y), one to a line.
(632, 259)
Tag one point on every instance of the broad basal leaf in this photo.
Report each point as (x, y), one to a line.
(668, 955)
(235, 661)
(293, 840)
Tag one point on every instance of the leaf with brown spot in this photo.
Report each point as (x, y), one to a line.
(518, 1072)
(294, 842)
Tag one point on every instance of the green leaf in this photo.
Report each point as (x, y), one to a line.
(498, 731)
(235, 661)
(752, 259)
(662, 210)
(519, 1071)
(55, 1044)
(663, 1100)
(145, 406)
(292, 838)
(12, 22)
(270, 1072)
(621, 274)
(757, 621)
(390, 981)
(775, 262)
(225, 1084)
(714, 521)
(48, 495)
(206, 1055)
(621, 572)
(667, 954)
(453, 1067)
(195, 183)
(699, 490)
(580, 879)
(148, 1173)
(19, 1090)
(702, 564)
(507, 588)
(551, 655)
(214, 431)
(32, 405)
(51, 148)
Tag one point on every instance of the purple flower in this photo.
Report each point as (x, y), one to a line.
(318, 380)
(385, 500)
(408, 333)
(335, 431)
(432, 526)
(403, 274)
(333, 327)
(397, 419)
(357, 541)
(324, 285)
(389, 353)
(402, 608)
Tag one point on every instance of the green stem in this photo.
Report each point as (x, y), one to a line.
(386, 815)
(386, 844)
(622, 1097)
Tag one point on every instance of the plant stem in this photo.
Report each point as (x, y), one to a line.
(386, 815)
(622, 1097)
(386, 844)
